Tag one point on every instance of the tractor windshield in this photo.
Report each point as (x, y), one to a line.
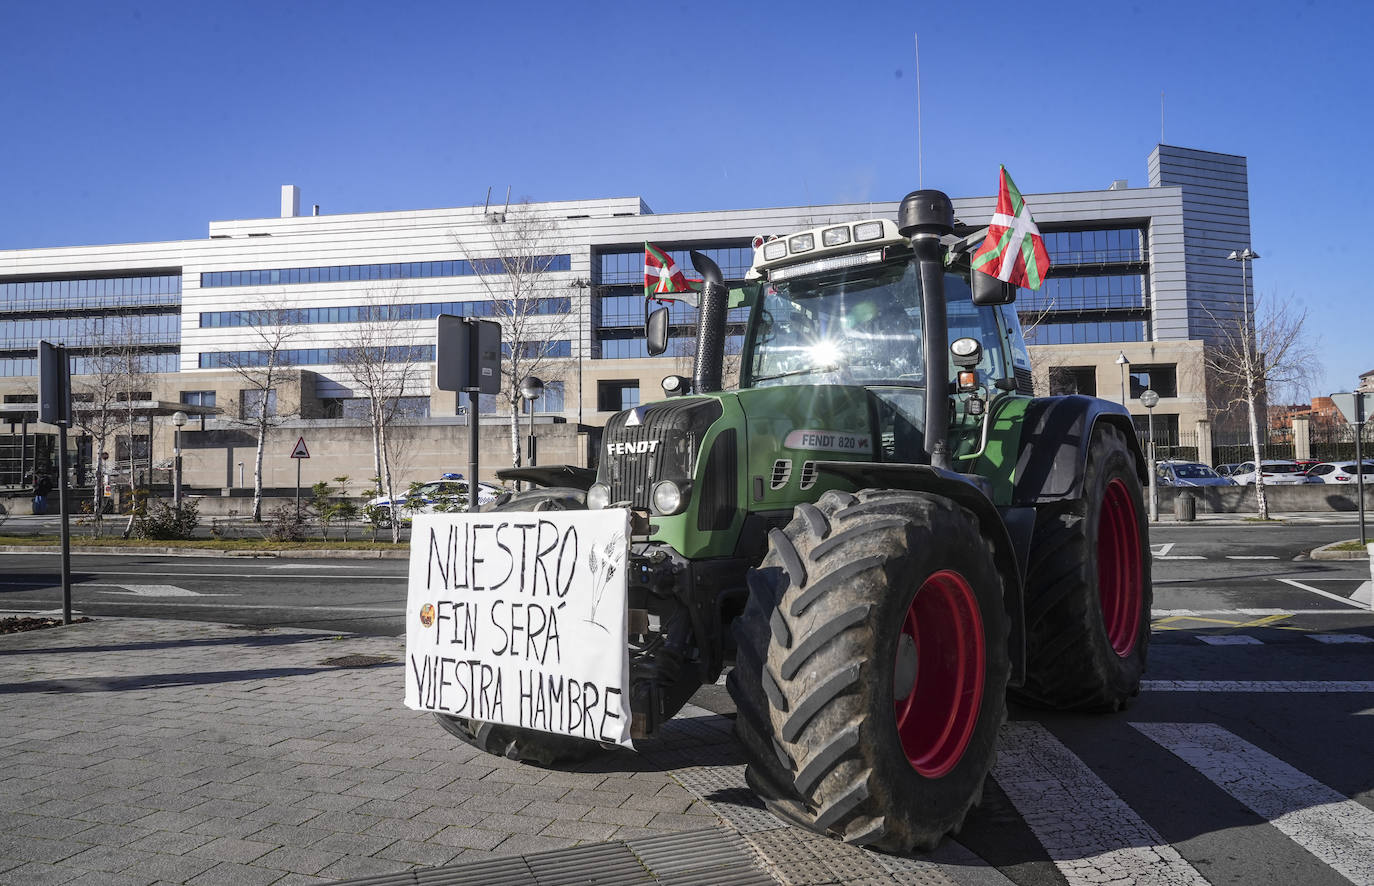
(859, 327)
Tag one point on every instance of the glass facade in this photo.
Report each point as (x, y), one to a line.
(11, 367)
(1113, 291)
(1106, 246)
(394, 271)
(308, 356)
(364, 313)
(1084, 332)
(84, 330)
(550, 401)
(627, 265)
(90, 292)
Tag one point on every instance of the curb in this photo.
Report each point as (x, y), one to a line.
(1325, 552)
(305, 554)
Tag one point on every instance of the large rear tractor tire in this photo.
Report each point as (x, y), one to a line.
(872, 667)
(525, 745)
(1088, 592)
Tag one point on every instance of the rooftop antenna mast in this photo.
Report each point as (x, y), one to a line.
(920, 146)
(1161, 116)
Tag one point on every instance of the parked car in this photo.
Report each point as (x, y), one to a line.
(1307, 464)
(1341, 472)
(1275, 472)
(439, 495)
(1226, 470)
(1189, 473)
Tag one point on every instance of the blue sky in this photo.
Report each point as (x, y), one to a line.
(128, 122)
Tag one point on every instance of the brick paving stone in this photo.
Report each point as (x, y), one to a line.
(462, 816)
(331, 802)
(585, 831)
(105, 878)
(621, 816)
(516, 824)
(551, 809)
(595, 797)
(302, 880)
(428, 854)
(37, 849)
(176, 868)
(299, 861)
(221, 808)
(525, 844)
(39, 874)
(108, 858)
(227, 873)
(657, 803)
(227, 827)
(468, 838)
(379, 790)
(50, 828)
(113, 835)
(360, 844)
(676, 822)
(407, 829)
(170, 843)
(232, 849)
(351, 866)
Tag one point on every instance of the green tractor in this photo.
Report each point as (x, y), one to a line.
(895, 531)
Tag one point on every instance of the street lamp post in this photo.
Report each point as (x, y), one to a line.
(1149, 399)
(1123, 363)
(531, 389)
(582, 285)
(179, 421)
(1244, 256)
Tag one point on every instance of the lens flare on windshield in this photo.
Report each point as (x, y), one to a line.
(825, 353)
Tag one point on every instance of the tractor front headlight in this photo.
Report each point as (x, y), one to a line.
(668, 498)
(598, 496)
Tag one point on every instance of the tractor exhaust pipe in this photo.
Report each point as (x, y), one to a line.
(709, 367)
(925, 216)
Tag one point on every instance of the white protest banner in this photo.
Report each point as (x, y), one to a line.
(519, 618)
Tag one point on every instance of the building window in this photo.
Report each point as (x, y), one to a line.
(250, 403)
(1166, 429)
(395, 271)
(550, 401)
(1073, 380)
(198, 398)
(615, 396)
(1163, 380)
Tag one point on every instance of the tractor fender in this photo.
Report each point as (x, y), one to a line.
(1055, 435)
(963, 489)
(571, 476)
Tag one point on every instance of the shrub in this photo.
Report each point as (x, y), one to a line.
(160, 520)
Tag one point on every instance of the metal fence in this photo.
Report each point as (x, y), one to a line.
(1334, 443)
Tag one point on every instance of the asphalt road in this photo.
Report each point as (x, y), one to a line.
(1248, 757)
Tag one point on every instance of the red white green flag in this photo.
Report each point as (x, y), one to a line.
(662, 277)
(1014, 251)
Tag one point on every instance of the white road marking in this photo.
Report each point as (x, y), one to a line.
(151, 590)
(1304, 587)
(1093, 837)
(1198, 613)
(1326, 823)
(1364, 594)
(1229, 640)
(1251, 557)
(1164, 548)
(1336, 639)
(1257, 685)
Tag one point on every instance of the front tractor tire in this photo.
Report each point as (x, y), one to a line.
(525, 745)
(872, 667)
(1088, 592)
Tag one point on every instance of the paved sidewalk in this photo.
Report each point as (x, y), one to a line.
(157, 752)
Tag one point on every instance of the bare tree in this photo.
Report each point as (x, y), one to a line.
(262, 368)
(1251, 360)
(518, 265)
(383, 360)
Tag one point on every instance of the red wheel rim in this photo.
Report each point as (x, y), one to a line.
(1118, 568)
(936, 719)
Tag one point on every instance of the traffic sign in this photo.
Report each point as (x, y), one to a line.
(1355, 407)
(300, 451)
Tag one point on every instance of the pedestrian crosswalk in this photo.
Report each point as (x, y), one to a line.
(1139, 800)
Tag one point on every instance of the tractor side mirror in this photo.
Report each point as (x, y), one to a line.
(988, 290)
(656, 331)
